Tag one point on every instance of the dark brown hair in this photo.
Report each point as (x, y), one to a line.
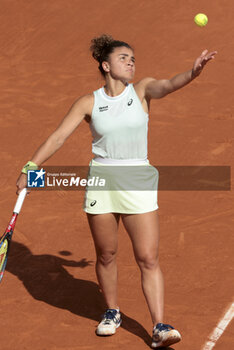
(102, 46)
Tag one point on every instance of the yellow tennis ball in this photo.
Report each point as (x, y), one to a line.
(201, 19)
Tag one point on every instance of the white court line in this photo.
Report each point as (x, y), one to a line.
(218, 331)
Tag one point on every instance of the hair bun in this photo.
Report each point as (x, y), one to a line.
(98, 44)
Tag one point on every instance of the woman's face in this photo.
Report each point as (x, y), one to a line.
(121, 64)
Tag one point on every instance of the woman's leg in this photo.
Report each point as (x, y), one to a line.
(143, 230)
(104, 231)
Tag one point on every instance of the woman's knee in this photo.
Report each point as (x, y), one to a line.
(106, 257)
(148, 262)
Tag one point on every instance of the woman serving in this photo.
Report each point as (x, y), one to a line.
(118, 117)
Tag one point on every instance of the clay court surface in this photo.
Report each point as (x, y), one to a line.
(49, 294)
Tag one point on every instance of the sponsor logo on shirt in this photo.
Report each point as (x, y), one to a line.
(130, 102)
(93, 203)
(103, 109)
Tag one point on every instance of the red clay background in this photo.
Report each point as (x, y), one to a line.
(50, 300)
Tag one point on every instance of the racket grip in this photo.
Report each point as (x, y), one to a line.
(20, 201)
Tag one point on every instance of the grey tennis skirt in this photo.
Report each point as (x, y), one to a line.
(121, 186)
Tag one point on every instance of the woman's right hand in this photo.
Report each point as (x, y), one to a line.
(21, 183)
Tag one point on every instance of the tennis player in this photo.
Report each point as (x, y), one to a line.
(118, 118)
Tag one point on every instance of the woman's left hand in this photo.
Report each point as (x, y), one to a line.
(201, 61)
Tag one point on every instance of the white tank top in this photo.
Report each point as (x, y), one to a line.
(119, 125)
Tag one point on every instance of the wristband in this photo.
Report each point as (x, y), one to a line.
(29, 166)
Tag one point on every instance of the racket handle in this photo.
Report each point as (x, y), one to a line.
(20, 201)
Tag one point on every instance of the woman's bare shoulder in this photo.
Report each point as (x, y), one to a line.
(84, 103)
(141, 84)
(140, 87)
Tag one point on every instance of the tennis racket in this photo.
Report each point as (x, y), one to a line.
(6, 238)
